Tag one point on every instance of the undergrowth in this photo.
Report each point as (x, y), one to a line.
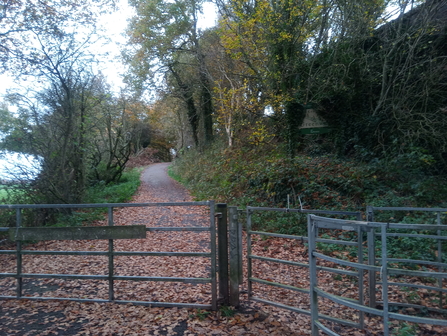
(119, 192)
(263, 176)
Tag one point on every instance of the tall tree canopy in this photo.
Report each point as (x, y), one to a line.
(277, 42)
(165, 52)
(22, 20)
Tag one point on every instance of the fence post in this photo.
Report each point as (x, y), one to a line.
(111, 259)
(235, 252)
(249, 273)
(311, 234)
(371, 258)
(386, 330)
(440, 258)
(222, 252)
(19, 255)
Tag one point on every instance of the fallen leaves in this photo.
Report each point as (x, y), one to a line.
(32, 318)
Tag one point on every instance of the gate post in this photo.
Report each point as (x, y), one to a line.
(311, 234)
(371, 258)
(235, 236)
(222, 252)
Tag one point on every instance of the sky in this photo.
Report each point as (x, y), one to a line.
(116, 23)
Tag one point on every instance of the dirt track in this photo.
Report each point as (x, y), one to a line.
(159, 185)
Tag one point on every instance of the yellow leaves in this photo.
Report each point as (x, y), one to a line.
(286, 36)
(260, 134)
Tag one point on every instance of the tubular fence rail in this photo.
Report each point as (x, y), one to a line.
(382, 266)
(251, 257)
(369, 241)
(383, 269)
(440, 253)
(110, 233)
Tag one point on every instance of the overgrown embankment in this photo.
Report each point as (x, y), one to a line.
(263, 176)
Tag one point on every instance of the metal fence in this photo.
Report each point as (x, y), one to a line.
(379, 268)
(388, 267)
(19, 234)
(440, 254)
(303, 239)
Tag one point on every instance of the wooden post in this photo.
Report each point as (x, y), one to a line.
(235, 252)
(111, 261)
(222, 252)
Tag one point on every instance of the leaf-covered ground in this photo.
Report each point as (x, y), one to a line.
(30, 317)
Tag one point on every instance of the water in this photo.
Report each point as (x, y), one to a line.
(18, 166)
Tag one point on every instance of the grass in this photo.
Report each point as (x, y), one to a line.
(6, 191)
(120, 192)
(3, 192)
(174, 175)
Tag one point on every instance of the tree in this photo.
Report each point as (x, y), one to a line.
(165, 40)
(384, 94)
(121, 129)
(270, 38)
(279, 41)
(62, 122)
(22, 20)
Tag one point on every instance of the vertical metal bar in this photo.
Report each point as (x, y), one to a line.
(235, 251)
(371, 258)
(213, 256)
(311, 232)
(440, 280)
(384, 273)
(249, 275)
(361, 273)
(222, 251)
(241, 261)
(19, 255)
(111, 263)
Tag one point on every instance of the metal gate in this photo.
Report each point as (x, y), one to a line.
(439, 213)
(303, 291)
(387, 268)
(355, 265)
(109, 234)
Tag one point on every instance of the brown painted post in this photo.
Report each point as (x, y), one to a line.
(235, 252)
(111, 259)
(222, 252)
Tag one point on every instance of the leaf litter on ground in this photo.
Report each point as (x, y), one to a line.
(52, 317)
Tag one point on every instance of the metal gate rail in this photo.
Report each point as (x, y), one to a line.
(315, 222)
(441, 267)
(251, 257)
(19, 252)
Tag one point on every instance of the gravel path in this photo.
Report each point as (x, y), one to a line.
(157, 183)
